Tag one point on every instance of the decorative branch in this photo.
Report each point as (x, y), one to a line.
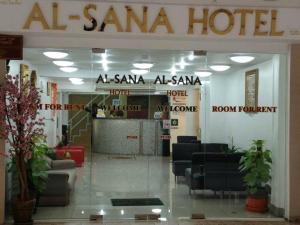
(18, 113)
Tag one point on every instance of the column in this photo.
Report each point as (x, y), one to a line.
(294, 134)
(2, 159)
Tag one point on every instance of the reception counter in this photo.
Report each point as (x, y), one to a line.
(127, 136)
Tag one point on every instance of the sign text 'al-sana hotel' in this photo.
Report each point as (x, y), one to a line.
(260, 22)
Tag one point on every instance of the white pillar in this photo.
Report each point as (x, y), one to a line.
(294, 135)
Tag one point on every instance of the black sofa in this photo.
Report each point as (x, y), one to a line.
(214, 147)
(182, 152)
(182, 157)
(215, 171)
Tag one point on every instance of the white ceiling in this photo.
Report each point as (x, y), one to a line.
(122, 60)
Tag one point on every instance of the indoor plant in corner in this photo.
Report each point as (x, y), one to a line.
(19, 102)
(256, 165)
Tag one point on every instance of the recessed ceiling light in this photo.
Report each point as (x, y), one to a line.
(191, 57)
(173, 70)
(63, 63)
(220, 68)
(76, 81)
(139, 72)
(105, 67)
(203, 73)
(68, 69)
(56, 55)
(182, 64)
(143, 65)
(102, 212)
(242, 58)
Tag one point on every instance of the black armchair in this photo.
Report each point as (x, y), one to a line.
(182, 157)
(195, 175)
(215, 171)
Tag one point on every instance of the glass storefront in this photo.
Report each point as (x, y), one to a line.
(158, 132)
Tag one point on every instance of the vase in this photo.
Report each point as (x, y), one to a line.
(22, 211)
(259, 205)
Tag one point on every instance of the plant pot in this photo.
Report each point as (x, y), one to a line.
(22, 211)
(259, 205)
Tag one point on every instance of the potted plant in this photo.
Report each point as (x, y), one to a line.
(37, 166)
(19, 102)
(256, 165)
(233, 148)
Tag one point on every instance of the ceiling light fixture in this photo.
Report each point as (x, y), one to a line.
(156, 210)
(219, 68)
(68, 69)
(56, 55)
(105, 67)
(76, 81)
(203, 73)
(242, 58)
(173, 70)
(139, 72)
(182, 64)
(63, 63)
(102, 212)
(104, 62)
(143, 65)
(191, 57)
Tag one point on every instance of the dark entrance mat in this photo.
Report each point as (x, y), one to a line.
(136, 201)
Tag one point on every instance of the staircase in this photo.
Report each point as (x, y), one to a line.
(80, 124)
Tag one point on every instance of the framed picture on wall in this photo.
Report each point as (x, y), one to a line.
(33, 78)
(251, 88)
(48, 88)
(25, 73)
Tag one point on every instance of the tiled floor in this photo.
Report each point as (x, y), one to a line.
(106, 177)
(197, 222)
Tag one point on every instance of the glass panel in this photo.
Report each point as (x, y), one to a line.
(138, 141)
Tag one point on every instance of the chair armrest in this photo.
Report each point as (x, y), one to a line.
(63, 164)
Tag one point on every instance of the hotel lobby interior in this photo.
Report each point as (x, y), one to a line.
(156, 132)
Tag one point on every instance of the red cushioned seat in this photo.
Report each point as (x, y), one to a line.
(76, 152)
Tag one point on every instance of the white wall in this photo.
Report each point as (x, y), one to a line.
(229, 90)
